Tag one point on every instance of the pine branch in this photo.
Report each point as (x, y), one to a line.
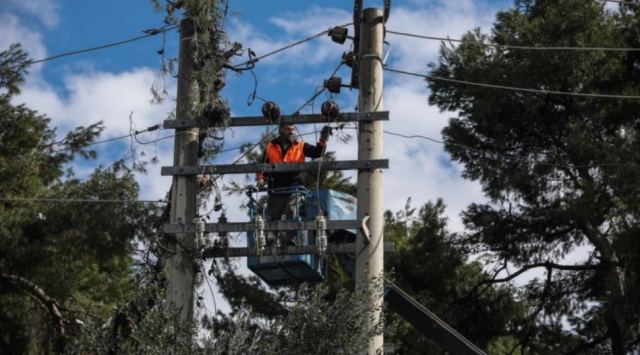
(547, 265)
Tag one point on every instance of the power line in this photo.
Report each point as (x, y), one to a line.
(414, 136)
(148, 33)
(288, 46)
(510, 46)
(623, 2)
(135, 133)
(77, 200)
(514, 88)
(481, 151)
(155, 140)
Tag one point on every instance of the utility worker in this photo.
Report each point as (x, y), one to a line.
(286, 149)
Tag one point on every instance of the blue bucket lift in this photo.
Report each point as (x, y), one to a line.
(280, 270)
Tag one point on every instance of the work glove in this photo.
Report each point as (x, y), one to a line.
(325, 133)
(260, 184)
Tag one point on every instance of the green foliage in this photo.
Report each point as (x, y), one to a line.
(428, 265)
(78, 254)
(245, 293)
(13, 62)
(145, 326)
(312, 324)
(558, 169)
(320, 324)
(211, 49)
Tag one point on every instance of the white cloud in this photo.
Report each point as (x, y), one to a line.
(311, 21)
(99, 96)
(109, 97)
(295, 26)
(446, 18)
(47, 11)
(13, 31)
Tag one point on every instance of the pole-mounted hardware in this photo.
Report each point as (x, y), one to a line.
(321, 233)
(201, 241)
(334, 83)
(224, 236)
(338, 34)
(330, 110)
(271, 110)
(261, 240)
(266, 120)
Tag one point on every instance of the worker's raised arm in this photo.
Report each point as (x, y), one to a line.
(260, 176)
(317, 150)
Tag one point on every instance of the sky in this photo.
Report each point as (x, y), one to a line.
(113, 85)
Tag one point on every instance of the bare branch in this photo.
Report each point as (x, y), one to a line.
(49, 303)
(547, 265)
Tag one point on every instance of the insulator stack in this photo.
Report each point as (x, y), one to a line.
(271, 110)
(330, 110)
(321, 233)
(224, 238)
(339, 34)
(261, 240)
(199, 230)
(349, 58)
(333, 84)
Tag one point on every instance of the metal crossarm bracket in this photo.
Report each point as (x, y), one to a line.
(296, 119)
(269, 226)
(347, 248)
(275, 168)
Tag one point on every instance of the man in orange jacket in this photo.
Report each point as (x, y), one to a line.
(287, 149)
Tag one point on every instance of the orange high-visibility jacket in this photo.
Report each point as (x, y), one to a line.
(294, 153)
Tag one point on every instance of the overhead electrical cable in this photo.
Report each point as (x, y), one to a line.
(148, 33)
(135, 133)
(76, 200)
(434, 140)
(511, 46)
(288, 46)
(515, 88)
(155, 140)
(635, 3)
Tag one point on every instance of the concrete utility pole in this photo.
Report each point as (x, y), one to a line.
(179, 267)
(370, 260)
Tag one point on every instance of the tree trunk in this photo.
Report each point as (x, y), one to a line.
(615, 310)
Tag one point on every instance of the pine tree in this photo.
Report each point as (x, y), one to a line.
(429, 265)
(59, 261)
(559, 170)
